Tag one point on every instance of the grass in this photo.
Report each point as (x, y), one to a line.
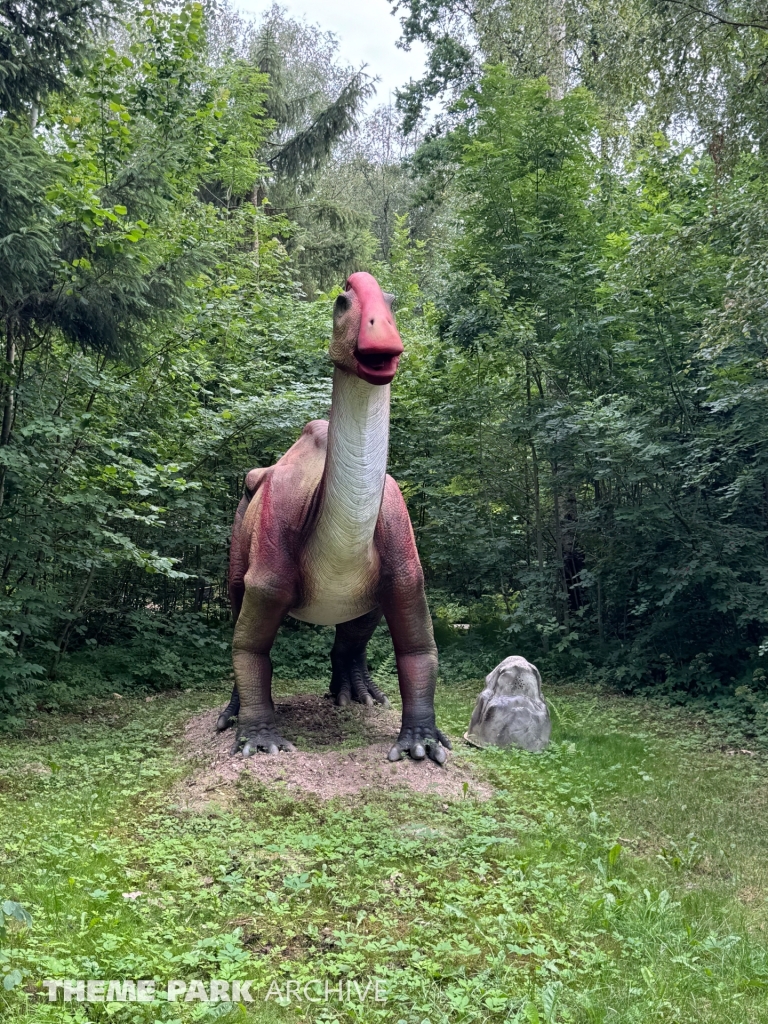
(620, 876)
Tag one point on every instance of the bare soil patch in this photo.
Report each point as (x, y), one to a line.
(309, 720)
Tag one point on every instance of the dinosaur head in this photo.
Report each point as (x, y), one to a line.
(365, 341)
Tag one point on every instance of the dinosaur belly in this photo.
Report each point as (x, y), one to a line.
(330, 612)
(338, 586)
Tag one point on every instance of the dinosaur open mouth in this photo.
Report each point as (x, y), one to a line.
(377, 367)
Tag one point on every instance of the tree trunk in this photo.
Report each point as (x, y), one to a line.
(600, 633)
(7, 400)
(560, 552)
(558, 71)
(539, 530)
(536, 495)
(64, 638)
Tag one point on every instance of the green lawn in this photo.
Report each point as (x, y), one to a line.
(621, 876)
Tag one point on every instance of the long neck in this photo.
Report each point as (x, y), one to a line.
(355, 463)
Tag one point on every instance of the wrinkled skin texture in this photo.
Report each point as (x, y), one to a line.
(324, 535)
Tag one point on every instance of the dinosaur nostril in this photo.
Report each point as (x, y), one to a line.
(371, 319)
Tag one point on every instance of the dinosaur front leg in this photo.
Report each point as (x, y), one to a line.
(350, 679)
(407, 614)
(257, 625)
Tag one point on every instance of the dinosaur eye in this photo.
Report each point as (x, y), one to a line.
(341, 306)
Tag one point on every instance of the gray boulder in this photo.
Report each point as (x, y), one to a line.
(510, 712)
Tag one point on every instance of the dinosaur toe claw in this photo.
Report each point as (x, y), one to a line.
(438, 754)
(444, 740)
(351, 681)
(261, 738)
(419, 742)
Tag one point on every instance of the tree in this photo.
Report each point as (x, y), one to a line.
(312, 103)
(105, 237)
(596, 395)
(42, 45)
(688, 68)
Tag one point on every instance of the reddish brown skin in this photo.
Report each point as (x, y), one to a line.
(265, 576)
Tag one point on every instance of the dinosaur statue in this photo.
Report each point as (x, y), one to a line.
(324, 536)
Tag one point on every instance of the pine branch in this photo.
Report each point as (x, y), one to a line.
(309, 150)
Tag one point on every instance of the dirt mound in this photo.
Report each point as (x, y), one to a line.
(315, 725)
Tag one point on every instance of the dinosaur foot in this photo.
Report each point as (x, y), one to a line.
(264, 737)
(351, 681)
(421, 741)
(228, 716)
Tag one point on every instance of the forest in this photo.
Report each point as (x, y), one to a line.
(570, 207)
(577, 244)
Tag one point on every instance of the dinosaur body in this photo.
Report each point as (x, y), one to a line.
(324, 536)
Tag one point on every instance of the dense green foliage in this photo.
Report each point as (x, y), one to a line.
(145, 327)
(599, 385)
(602, 393)
(578, 247)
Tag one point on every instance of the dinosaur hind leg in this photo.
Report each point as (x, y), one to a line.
(350, 678)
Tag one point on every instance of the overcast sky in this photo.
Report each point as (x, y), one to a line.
(367, 32)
